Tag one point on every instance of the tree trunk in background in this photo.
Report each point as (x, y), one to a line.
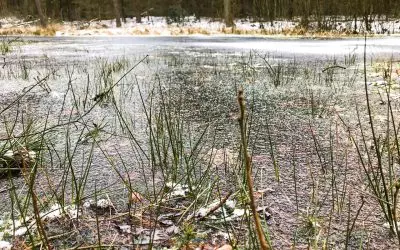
(304, 22)
(228, 13)
(117, 11)
(355, 24)
(290, 10)
(138, 17)
(121, 4)
(43, 21)
(69, 10)
(139, 7)
(3, 6)
(195, 8)
(51, 9)
(262, 10)
(366, 21)
(272, 10)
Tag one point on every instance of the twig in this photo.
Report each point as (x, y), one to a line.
(26, 23)
(211, 210)
(54, 237)
(97, 247)
(247, 159)
(6, 189)
(333, 67)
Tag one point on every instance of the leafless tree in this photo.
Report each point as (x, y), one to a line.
(43, 19)
(117, 11)
(139, 9)
(323, 11)
(228, 13)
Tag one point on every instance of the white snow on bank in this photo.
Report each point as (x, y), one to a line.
(10, 22)
(4, 245)
(204, 26)
(208, 26)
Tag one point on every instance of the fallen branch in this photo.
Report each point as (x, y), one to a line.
(27, 23)
(210, 210)
(213, 209)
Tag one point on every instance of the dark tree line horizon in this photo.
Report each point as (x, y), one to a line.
(258, 10)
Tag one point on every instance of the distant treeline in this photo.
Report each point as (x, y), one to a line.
(264, 10)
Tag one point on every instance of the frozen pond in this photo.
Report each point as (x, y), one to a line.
(304, 49)
(105, 111)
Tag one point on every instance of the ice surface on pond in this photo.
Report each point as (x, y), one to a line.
(81, 48)
(308, 46)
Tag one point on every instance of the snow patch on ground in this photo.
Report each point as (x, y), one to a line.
(4, 245)
(20, 226)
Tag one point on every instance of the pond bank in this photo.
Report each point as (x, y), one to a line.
(199, 26)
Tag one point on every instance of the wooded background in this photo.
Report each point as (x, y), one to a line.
(258, 10)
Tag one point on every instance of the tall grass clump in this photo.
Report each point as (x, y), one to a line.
(378, 149)
(30, 149)
(6, 45)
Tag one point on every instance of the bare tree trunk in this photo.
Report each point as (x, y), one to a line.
(355, 24)
(43, 21)
(122, 7)
(290, 9)
(49, 9)
(70, 11)
(117, 11)
(138, 17)
(3, 7)
(228, 13)
(140, 9)
(272, 10)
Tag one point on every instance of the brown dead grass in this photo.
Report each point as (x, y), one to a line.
(292, 32)
(50, 30)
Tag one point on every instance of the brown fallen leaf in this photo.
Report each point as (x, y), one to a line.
(260, 193)
(225, 247)
(136, 198)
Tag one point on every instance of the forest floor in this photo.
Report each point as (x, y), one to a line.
(330, 27)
